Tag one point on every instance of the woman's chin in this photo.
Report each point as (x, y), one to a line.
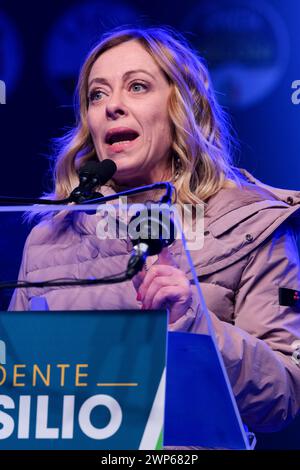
(128, 178)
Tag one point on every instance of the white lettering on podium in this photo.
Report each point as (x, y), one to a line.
(42, 431)
(7, 422)
(68, 417)
(24, 417)
(115, 417)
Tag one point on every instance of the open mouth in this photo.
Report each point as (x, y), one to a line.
(120, 136)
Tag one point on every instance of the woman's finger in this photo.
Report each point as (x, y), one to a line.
(165, 295)
(154, 272)
(157, 284)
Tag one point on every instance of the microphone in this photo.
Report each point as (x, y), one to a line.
(91, 175)
(149, 231)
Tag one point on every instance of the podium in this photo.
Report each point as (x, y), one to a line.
(105, 377)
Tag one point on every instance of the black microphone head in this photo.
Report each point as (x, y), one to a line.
(108, 169)
(90, 169)
(98, 172)
(91, 175)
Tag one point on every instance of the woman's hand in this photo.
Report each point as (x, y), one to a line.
(164, 285)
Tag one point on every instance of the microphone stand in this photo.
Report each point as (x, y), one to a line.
(167, 198)
(13, 201)
(16, 201)
(136, 261)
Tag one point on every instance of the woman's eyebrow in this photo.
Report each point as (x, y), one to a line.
(125, 76)
(132, 72)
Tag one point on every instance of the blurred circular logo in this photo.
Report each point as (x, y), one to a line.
(246, 46)
(73, 35)
(10, 53)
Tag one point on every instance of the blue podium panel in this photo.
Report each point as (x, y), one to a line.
(80, 380)
(200, 409)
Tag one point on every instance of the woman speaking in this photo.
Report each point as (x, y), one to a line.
(145, 101)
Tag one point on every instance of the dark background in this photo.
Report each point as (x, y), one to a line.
(251, 48)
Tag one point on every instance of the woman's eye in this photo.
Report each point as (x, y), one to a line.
(137, 87)
(96, 95)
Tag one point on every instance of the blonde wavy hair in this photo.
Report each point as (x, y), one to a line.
(201, 146)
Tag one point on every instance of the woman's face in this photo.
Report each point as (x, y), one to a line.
(128, 114)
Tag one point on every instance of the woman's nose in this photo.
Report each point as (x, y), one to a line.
(115, 108)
